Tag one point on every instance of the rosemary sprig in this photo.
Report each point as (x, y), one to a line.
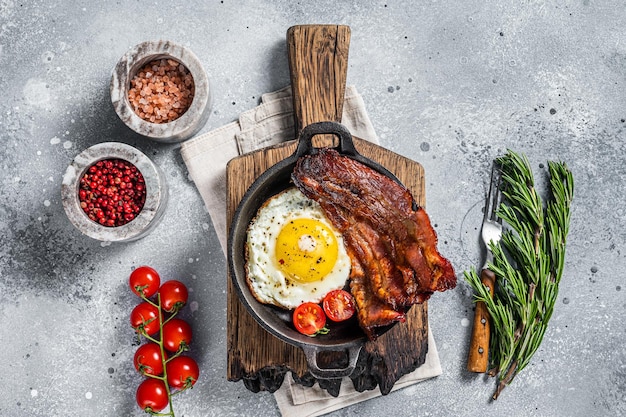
(528, 264)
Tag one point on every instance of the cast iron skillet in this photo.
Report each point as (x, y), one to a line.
(346, 336)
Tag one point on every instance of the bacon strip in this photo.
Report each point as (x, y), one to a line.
(377, 313)
(392, 246)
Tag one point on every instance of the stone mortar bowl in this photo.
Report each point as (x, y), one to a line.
(179, 129)
(156, 193)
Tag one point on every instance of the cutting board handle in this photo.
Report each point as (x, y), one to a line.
(318, 65)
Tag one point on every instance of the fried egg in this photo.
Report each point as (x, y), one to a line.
(294, 254)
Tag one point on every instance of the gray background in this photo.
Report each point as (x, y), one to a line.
(449, 84)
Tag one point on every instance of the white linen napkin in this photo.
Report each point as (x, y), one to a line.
(268, 124)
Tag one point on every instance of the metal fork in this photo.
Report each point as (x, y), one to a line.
(491, 231)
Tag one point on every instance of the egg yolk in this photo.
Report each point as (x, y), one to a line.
(306, 250)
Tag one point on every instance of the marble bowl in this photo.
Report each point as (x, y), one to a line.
(156, 193)
(179, 129)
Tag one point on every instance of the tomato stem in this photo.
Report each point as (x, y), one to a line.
(170, 317)
(150, 338)
(154, 376)
(140, 288)
(149, 301)
(163, 361)
(181, 390)
(180, 350)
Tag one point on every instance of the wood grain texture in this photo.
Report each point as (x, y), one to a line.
(318, 65)
(261, 359)
(478, 356)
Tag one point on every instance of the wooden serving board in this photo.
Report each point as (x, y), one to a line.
(260, 359)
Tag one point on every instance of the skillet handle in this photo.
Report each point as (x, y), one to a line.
(305, 141)
(310, 352)
(318, 64)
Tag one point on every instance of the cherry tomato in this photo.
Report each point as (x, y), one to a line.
(144, 280)
(145, 318)
(152, 395)
(309, 319)
(176, 335)
(173, 295)
(148, 359)
(182, 372)
(339, 305)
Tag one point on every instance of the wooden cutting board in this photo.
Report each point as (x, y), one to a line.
(318, 62)
(260, 359)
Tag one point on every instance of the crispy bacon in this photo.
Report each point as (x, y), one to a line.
(378, 313)
(391, 243)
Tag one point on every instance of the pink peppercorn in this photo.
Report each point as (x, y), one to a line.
(112, 192)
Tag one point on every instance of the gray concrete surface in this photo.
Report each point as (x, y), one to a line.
(449, 84)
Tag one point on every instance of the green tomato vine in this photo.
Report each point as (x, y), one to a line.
(158, 338)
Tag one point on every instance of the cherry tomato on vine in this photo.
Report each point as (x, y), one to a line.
(339, 305)
(152, 395)
(182, 372)
(148, 359)
(144, 280)
(173, 295)
(309, 319)
(176, 335)
(145, 318)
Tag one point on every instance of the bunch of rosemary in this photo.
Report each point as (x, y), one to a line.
(528, 264)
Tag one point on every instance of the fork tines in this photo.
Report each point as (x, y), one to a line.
(494, 195)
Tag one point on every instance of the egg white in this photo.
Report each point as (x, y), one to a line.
(266, 280)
